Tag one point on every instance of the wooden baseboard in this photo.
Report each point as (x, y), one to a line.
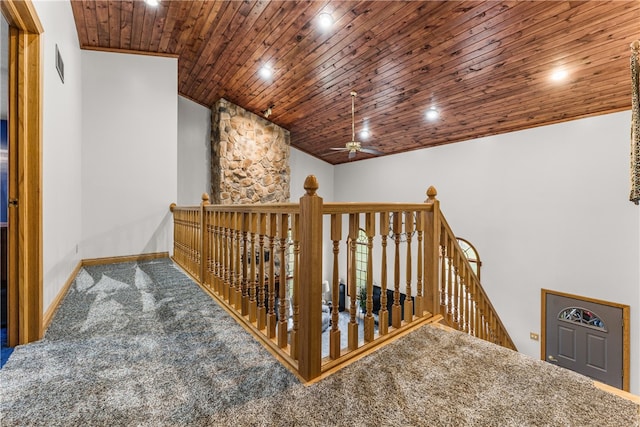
(126, 258)
(53, 307)
(617, 392)
(51, 311)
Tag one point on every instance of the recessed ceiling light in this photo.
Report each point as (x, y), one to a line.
(265, 72)
(559, 75)
(432, 114)
(152, 2)
(325, 21)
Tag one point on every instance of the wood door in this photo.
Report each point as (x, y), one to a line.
(586, 336)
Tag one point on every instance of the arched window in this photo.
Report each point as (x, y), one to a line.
(471, 253)
(362, 253)
(582, 316)
(361, 256)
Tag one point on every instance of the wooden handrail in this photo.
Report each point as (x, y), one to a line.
(470, 309)
(264, 263)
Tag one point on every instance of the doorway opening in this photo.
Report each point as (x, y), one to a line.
(24, 155)
(5, 350)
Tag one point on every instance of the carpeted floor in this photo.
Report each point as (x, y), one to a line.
(141, 344)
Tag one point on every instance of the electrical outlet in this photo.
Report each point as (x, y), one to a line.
(534, 336)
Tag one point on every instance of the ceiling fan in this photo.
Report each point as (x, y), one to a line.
(354, 146)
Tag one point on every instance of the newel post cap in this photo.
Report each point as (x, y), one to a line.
(311, 185)
(431, 194)
(205, 199)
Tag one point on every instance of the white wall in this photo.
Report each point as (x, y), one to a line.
(62, 148)
(194, 151)
(130, 155)
(302, 165)
(546, 208)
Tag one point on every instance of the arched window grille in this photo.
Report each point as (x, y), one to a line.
(471, 253)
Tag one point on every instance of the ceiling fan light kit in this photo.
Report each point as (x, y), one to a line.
(354, 146)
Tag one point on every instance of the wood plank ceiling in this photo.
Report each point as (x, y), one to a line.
(485, 66)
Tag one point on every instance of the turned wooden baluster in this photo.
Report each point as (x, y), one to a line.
(473, 310)
(177, 232)
(383, 314)
(186, 237)
(396, 309)
(334, 336)
(236, 289)
(252, 275)
(440, 308)
(449, 291)
(206, 250)
(271, 311)
(465, 296)
(369, 323)
(420, 221)
(456, 286)
(195, 243)
(214, 250)
(262, 311)
(483, 320)
(408, 302)
(282, 291)
(231, 241)
(224, 251)
(224, 232)
(242, 294)
(295, 234)
(283, 227)
(188, 231)
(354, 229)
(192, 233)
(204, 241)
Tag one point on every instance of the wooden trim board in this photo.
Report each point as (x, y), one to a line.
(125, 258)
(129, 51)
(53, 307)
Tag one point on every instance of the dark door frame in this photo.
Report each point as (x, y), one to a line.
(24, 242)
(626, 336)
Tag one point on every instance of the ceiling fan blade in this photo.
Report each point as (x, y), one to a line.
(352, 154)
(371, 150)
(339, 149)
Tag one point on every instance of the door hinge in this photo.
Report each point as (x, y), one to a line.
(13, 202)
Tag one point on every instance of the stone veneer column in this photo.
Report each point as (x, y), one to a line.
(249, 157)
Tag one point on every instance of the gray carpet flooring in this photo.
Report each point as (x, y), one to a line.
(141, 344)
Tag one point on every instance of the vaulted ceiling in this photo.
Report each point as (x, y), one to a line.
(485, 66)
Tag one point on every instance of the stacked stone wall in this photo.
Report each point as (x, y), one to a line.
(249, 157)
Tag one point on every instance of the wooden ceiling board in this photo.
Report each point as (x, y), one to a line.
(484, 64)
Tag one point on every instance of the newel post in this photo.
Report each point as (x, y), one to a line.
(204, 247)
(432, 253)
(310, 286)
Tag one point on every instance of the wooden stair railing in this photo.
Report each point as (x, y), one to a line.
(461, 299)
(264, 265)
